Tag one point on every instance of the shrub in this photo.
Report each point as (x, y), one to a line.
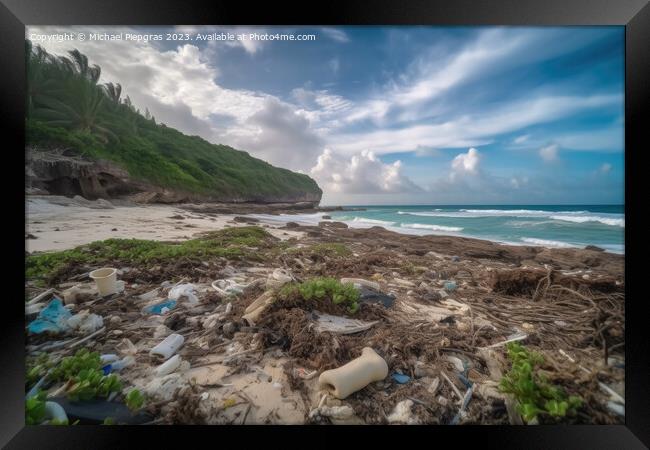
(535, 395)
(325, 288)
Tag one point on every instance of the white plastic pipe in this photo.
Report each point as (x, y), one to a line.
(355, 375)
(168, 347)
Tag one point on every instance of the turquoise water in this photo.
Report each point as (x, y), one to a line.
(545, 225)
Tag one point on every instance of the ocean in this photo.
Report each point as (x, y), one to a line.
(543, 225)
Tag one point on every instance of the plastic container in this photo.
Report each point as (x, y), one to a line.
(168, 347)
(355, 375)
(168, 366)
(106, 280)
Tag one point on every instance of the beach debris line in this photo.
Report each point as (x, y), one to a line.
(268, 328)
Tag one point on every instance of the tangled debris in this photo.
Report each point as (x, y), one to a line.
(448, 306)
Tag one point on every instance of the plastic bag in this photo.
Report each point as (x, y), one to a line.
(54, 317)
(181, 290)
(159, 307)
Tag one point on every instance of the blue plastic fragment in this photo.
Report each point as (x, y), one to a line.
(107, 369)
(450, 286)
(54, 317)
(464, 380)
(158, 307)
(400, 378)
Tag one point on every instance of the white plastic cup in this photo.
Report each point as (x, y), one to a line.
(106, 280)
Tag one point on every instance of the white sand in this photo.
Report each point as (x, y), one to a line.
(69, 223)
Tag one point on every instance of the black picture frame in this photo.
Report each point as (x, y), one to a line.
(633, 14)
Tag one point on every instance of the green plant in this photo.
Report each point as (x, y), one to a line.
(35, 409)
(322, 288)
(134, 400)
(109, 421)
(70, 366)
(84, 373)
(89, 384)
(230, 243)
(534, 393)
(37, 367)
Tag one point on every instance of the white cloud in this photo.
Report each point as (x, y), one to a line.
(363, 173)
(466, 163)
(549, 153)
(336, 34)
(605, 168)
(278, 134)
(521, 139)
(469, 129)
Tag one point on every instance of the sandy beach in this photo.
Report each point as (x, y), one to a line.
(60, 223)
(448, 306)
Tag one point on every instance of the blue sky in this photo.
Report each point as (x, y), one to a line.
(390, 115)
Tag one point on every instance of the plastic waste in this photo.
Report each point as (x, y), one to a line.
(335, 412)
(54, 318)
(106, 280)
(168, 366)
(122, 363)
(158, 308)
(255, 309)
(93, 412)
(183, 290)
(360, 282)
(354, 375)
(109, 358)
(402, 413)
(401, 378)
(368, 295)
(54, 411)
(450, 286)
(86, 323)
(228, 287)
(169, 346)
(278, 278)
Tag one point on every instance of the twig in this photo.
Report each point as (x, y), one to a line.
(246, 414)
(453, 386)
(101, 330)
(40, 296)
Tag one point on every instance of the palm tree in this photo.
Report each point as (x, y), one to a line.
(80, 64)
(39, 84)
(113, 91)
(80, 111)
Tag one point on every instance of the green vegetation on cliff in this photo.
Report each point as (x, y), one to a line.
(67, 108)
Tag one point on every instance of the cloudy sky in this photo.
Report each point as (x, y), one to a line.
(394, 115)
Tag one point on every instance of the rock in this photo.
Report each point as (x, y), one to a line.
(333, 224)
(229, 329)
(594, 248)
(243, 219)
(292, 225)
(327, 217)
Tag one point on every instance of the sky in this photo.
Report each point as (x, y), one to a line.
(393, 115)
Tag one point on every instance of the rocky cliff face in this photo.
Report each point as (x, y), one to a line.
(58, 174)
